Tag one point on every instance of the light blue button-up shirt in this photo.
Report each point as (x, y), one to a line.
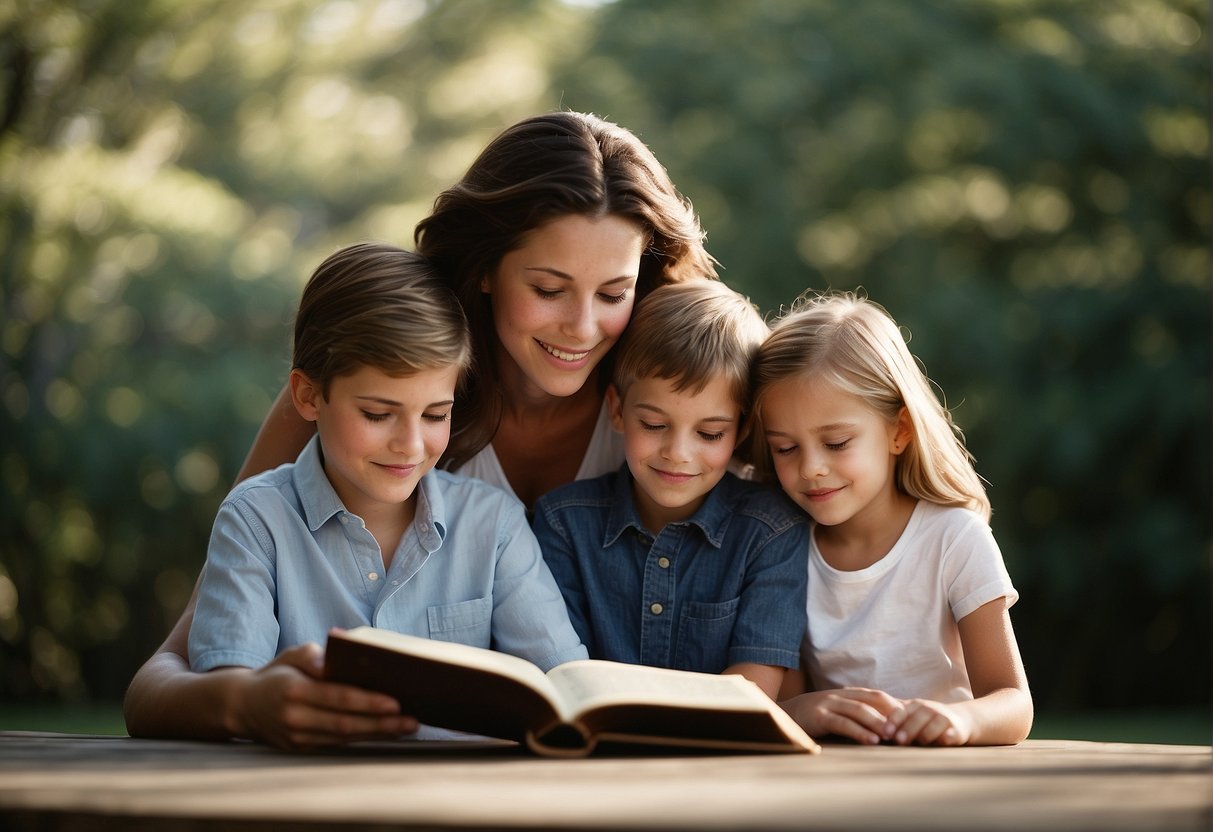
(287, 561)
(725, 586)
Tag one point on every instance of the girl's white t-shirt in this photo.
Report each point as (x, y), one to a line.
(892, 626)
(604, 454)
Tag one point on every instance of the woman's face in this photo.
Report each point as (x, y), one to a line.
(562, 299)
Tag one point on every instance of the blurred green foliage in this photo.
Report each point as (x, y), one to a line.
(1025, 184)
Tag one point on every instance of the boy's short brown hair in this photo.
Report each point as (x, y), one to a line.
(372, 304)
(691, 333)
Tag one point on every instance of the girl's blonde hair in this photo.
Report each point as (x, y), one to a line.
(853, 343)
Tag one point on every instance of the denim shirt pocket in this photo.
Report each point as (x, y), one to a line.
(464, 622)
(705, 631)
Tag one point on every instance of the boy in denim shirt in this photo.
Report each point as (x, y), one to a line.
(674, 561)
(361, 529)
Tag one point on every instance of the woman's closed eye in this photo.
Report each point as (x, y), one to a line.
(436, 417)
(613, 299)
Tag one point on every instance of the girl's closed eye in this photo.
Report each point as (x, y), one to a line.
(837, 446)
(708, 436)
(651, 426)
(374, 417)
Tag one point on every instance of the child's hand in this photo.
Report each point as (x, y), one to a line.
(924, 722)
(286, 703)
(860, 714)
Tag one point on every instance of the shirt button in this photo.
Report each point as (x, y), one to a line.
(374, 576)
(656, 609)
(664, 563)
(395, 583)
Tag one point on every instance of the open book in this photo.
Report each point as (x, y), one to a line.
(567, 711)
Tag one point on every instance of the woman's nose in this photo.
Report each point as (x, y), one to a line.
(581, 322)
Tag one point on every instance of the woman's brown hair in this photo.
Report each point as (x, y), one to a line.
(538, 170)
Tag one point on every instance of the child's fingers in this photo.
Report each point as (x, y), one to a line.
(854, 719)
(922, 725)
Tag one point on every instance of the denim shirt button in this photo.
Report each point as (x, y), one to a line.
(656, 609)
(664, 563)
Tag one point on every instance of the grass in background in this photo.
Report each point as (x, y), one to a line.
(1166, 727)
(65, 719)
(1193, 727)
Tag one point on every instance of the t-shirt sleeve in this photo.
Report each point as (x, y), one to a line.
(976, 572)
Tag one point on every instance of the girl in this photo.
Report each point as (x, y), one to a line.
(560, 225)
(909, 639)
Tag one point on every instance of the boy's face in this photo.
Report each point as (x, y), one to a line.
(678, 444)
(380, 434)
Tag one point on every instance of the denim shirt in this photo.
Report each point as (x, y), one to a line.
(726, 586)
(287, 561)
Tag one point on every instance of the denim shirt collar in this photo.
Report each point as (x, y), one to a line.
(712, 518)
(320, 501)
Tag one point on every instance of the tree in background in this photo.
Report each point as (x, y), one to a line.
(1024, 184)
(170, 173)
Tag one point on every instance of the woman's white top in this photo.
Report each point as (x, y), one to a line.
(604, 455)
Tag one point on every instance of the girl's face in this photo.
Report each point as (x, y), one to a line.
(834, 455)
(562, 299)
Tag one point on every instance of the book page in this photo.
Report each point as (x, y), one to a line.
(588, 684)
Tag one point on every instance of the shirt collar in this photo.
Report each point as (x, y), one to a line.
(711, 519)
(429, 520)
(321, 503)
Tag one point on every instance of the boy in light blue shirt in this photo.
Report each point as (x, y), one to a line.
(360, 529)
(674, 561)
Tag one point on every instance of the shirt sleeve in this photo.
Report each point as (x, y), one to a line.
(771, 617)
(529, 615)
(976, 573)
(234, 622)
(560, 555)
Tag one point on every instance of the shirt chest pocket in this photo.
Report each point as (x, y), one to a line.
(705, 632)
(465, 622)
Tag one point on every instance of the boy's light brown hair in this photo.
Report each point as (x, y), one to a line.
(372, 304)
(692, 333)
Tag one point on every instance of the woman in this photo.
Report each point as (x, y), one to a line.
(551, 236)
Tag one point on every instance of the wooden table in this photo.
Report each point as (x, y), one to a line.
(74, 782)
